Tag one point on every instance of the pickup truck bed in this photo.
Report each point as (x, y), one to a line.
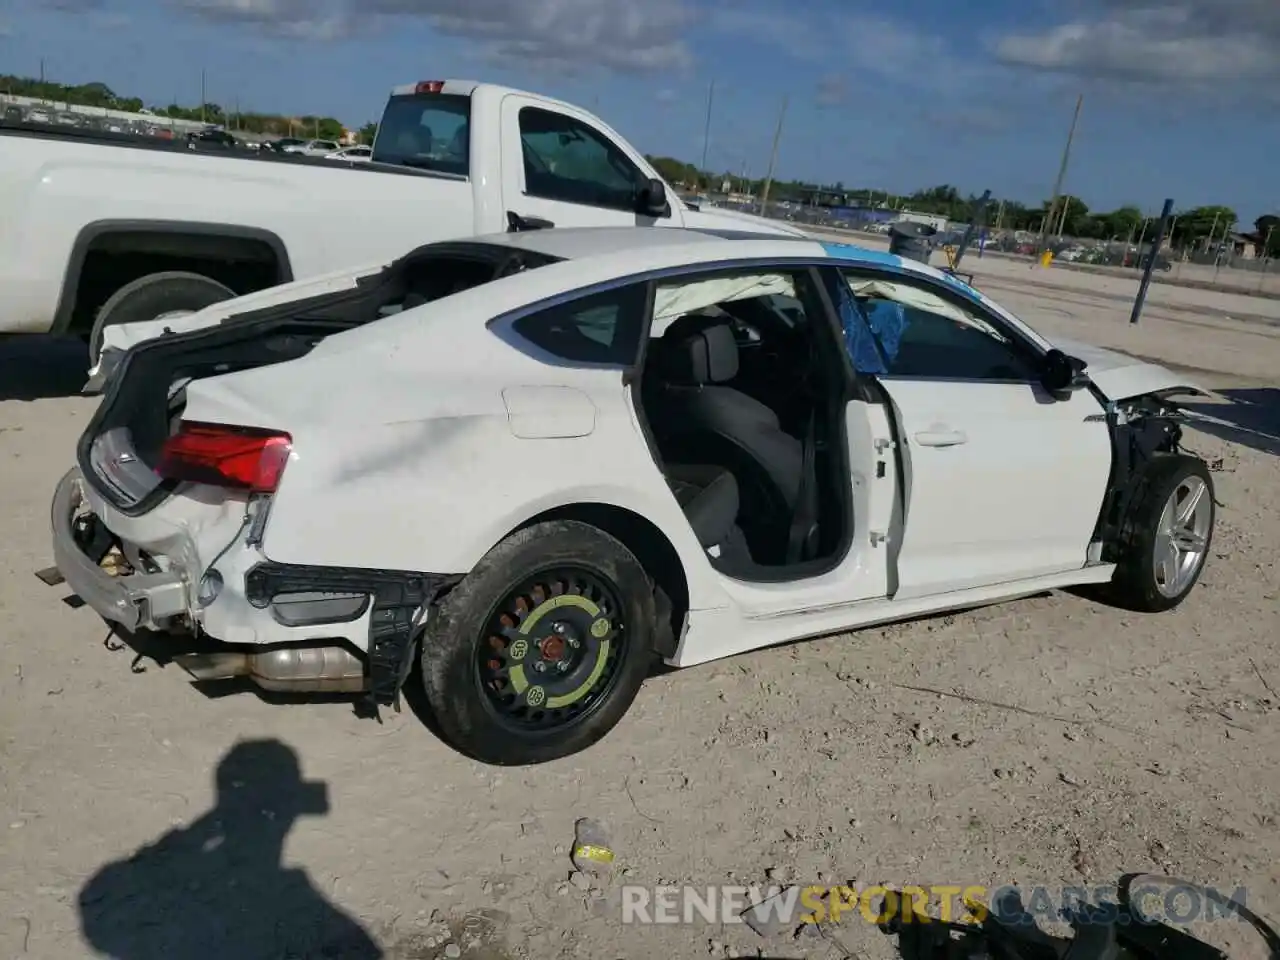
(104, 229)
(104, 209)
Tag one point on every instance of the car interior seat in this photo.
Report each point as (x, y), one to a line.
(708, 496)
(695, 418)
(415, 141)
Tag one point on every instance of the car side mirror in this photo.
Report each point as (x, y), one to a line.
(1061, 373)
(652, 201)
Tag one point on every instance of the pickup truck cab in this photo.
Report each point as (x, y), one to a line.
(110, 229)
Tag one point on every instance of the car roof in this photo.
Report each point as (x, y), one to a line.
(577, 243)
(688, 243)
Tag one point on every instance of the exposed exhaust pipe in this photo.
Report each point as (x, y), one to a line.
(283, 670)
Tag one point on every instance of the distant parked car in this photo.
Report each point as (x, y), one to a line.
(38, 116)
(359, 153)
(284, 144)
(212, 137)
(314, 148)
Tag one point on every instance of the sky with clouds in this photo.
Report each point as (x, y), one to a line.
(1182, 97)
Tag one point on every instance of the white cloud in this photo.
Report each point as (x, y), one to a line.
(563, 34)
(1177, 42)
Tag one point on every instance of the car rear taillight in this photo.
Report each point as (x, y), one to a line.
(245, 458)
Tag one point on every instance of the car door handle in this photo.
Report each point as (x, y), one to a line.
(941, 438)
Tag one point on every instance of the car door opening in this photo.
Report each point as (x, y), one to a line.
(743, 401)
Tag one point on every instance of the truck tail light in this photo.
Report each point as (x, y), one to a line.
(244, 458)
(429, 86)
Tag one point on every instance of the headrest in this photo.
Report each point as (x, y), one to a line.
(699, 349)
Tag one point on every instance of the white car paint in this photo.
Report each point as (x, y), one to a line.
(423, 439)
(60, 193)
(1119, 375)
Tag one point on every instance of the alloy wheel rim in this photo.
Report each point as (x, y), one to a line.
(1182, 536)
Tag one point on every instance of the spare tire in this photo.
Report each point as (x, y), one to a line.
(153, 296)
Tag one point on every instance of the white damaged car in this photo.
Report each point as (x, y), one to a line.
(535, 462)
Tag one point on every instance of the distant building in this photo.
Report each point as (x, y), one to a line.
(1246, 246)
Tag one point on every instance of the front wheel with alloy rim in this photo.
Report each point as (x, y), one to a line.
(1169, 535)
(540, 650)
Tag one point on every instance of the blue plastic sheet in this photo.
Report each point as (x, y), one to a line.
(872, 342)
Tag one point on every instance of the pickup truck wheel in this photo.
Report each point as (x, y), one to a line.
(153, 296)
(541, 649)
(1170, 533)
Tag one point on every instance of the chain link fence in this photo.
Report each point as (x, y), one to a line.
(1228, 267)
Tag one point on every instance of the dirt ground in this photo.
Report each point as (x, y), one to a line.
(1048, 741)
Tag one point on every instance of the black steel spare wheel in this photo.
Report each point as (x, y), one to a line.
(552, 648)
(541, 649)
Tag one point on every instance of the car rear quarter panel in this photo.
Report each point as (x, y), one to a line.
(429, 472)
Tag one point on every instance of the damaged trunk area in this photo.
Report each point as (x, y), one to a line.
(120, 448)
(355, 628)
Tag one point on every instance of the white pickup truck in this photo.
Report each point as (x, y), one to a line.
(100, 230)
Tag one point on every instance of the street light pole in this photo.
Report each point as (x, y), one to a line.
(773, 158)
(706, 130)
(1062, 173)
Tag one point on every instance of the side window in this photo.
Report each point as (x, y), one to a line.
(600, 328)
(565, 159)
(897, 328)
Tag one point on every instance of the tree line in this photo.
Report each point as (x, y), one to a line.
(1071, 216)
(100, 95)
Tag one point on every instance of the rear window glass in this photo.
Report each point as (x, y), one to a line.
(601, 328)
(429, 131)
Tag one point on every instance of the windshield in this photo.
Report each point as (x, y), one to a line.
(428, 131)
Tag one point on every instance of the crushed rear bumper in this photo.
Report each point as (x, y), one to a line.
(134, 601)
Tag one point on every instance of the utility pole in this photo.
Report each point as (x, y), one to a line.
(1000, 215)
(706, 130)
(1062, 173)
(773, 158)
(202, 96)
(1266, 257)
(1212, 230)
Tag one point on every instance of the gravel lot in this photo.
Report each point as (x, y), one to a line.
(1051, 740)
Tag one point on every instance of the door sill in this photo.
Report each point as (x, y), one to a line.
(1095, 573)
(724, 632)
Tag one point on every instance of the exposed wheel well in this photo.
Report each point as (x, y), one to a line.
(651, 547)
(1143, 430)
(110, 258)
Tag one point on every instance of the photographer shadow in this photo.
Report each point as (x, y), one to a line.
(217, 888)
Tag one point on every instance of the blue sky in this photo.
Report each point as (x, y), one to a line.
(1182, 97)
